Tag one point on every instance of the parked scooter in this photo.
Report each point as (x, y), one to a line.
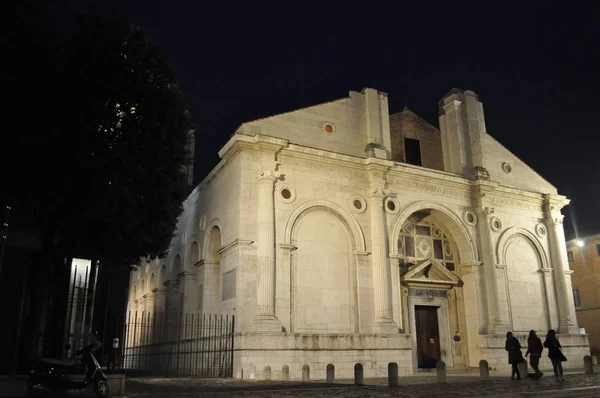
(49, 377)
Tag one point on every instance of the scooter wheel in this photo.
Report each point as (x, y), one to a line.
(101, 388)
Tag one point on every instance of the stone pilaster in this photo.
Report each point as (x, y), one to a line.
(496, 322)
(265, 319)
(550, 297)
(567, 321)
(383, 322)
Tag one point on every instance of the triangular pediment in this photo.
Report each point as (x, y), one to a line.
(430, 272)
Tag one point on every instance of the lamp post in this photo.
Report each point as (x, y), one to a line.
(4, 237)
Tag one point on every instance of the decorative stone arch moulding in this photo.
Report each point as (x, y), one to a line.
(513, 233)
(189, 261)
(173, 275)
(467, 248)
(209, 226)
(358, 238)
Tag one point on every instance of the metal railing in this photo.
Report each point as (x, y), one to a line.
(173, 344)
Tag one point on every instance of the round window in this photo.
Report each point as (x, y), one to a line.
(391, 205)
(329, 128)
(285, 193)
(357, 204)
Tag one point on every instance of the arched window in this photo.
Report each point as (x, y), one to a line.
(422, 239)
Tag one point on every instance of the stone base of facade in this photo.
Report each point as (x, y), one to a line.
(575, 347)
(258, 355)
(271, 356)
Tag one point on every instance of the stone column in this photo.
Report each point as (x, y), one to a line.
(496, 322)
(567, 321)
(265, 319)
(383, 322)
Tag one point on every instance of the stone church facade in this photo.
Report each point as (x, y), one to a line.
(340, 234)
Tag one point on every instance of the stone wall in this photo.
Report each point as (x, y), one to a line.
(406, 124)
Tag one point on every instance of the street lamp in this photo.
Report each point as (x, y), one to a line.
(580, 243)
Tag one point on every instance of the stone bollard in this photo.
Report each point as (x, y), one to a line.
(523, 369)
(484, 370)
(588, 365)
(358, 374)
(393, 374)
(595, 360)
(305, 373)
(267, 373)
(440, 368)
(285, 373)
(330, 374)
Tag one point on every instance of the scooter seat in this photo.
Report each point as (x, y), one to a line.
(64, 362)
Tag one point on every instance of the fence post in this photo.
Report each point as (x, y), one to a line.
(330, 374)
(484, 370)
(393, 374)
(358, 374)
(588, 365)
(440, 368)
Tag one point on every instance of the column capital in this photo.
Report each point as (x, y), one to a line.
(555, 219)
(377, 193)
(268, 175)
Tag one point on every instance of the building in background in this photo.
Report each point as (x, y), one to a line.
(341, 236)
(584, 261)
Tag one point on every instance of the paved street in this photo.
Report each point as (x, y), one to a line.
(459, 385)
(415, 386)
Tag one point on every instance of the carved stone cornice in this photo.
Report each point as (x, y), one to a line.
(546, 271)
(287, 246)
(236, 242)
(442, 189)
(361, 253)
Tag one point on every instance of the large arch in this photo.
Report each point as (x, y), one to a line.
(358, 238)
(528, 297)
(208, 238)
(512, 233)
(322, 269)
(176, 267)
(192, 256)
(465, 244)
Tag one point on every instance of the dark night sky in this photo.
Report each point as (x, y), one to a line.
(534, 66)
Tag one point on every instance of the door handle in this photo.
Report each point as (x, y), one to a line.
(432, 341)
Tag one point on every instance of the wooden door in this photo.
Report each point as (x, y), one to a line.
(428, 336)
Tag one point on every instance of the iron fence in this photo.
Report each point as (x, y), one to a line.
(163, 344)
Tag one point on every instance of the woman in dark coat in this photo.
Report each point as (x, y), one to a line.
(555, 354)
(535, 348)
(515, 356)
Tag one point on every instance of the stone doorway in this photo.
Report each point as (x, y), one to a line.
(428, 336)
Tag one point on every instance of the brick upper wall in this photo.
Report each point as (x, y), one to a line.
(407, 124)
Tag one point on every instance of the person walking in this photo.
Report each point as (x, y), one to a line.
(534, 348)
(555, 354)
(515, 356)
